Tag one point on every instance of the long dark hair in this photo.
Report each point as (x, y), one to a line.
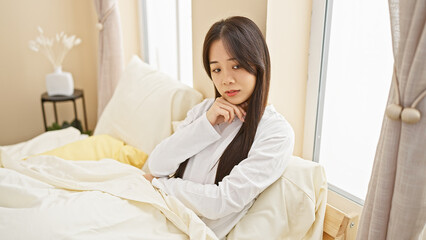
(244, 41)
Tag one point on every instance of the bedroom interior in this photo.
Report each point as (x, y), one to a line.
(22, 132)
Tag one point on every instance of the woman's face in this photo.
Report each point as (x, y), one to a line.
(234, 83)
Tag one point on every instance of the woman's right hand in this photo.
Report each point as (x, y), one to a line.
(224, 111)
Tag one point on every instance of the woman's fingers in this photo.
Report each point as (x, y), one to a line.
(239, 111)
(149, 177)
(229, 109)
(224, 111)
(243, 113)
(244, 105)
(217, 115)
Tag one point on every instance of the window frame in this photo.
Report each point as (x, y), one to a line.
(144, 41)
(315, 91)
(143, 30)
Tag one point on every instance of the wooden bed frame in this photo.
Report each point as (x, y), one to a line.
(339, 225)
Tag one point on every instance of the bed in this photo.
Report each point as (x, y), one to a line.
(65, 185)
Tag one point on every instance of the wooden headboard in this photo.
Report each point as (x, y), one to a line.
(339, 225)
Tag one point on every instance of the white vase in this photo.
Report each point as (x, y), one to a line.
(59, 83)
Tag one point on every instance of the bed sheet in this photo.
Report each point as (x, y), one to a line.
(46, 197)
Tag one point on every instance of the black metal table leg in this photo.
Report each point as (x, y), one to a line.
(85, 115)
(75, 109)
(44, 115)
(56, 114)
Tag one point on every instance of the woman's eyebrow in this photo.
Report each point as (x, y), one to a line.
(213, 62)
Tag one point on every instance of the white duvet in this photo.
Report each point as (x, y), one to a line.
(45, 197)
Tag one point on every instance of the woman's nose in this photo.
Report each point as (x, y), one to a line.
(228, 79)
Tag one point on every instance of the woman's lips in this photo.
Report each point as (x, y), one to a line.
(232, 93)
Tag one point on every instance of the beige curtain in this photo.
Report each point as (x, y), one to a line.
(110, 52)
(395, 207)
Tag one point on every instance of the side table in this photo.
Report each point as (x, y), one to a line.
(78, 93)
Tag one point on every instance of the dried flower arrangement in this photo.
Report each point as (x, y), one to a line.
(55, 49)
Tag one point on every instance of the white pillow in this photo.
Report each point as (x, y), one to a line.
(291, 208)
(144, 105)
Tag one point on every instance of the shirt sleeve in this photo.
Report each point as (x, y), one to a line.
(266, 161)
(193, 135)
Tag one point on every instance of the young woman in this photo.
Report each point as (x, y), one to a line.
(231, 148)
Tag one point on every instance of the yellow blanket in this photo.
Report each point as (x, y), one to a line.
(100, 147)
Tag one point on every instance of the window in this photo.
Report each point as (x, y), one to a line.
(356, 74)
(167, 37)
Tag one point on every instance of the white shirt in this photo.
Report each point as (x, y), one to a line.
(221, 206)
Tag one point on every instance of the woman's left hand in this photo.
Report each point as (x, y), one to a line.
(149, 177)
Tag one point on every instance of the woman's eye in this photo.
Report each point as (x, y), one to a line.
(216, 70)
(236, 67)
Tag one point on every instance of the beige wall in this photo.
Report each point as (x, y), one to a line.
(288, 27)
(22, 71)
(129, 17)
(204, 14)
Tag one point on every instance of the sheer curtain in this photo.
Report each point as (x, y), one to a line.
(395, 206)
(110, 52)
